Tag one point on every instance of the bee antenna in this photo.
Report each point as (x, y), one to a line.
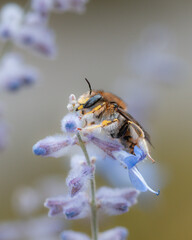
(90, 89)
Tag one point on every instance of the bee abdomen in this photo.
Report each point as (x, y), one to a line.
(122, 130)
(128, 141)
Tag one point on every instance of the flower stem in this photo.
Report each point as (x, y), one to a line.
(94, 220)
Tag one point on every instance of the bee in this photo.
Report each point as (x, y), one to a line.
(105, 110)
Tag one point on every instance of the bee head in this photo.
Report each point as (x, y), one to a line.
(88, 99)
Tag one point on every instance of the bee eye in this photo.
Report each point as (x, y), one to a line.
(92, 101)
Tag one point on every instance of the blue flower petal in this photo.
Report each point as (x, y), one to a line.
(131, 161)
(139, 182)
(139, 153)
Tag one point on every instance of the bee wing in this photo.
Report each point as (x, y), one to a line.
(138, 128)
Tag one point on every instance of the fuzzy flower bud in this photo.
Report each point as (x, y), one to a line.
(118, 233)
(116, 201)
(72, 208)
(70, 123)
(71, 235)
(72, 103)
(107, 145)
(53, 146)
(78, 177)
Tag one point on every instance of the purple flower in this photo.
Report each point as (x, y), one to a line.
(118, 233)
(42, 6)
(33, 228)
(116, 201)
(53, 146)
(78, 177)
(106, 144)
(35, 19)
(71, 235)
(70, 123)
(77, 6)
(73, 208)
(14, 74)
(10, 19)
(112, 147)
(39, 39)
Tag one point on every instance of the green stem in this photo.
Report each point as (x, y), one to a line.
(94, 220)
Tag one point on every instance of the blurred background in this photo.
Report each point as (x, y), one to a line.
(139, 50)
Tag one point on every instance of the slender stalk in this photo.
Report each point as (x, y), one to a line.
(94, 220)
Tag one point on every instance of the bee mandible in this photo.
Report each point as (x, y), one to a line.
(107, 111)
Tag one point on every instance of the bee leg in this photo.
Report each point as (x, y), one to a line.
(95, 109)
(91, 127)
(104, 124)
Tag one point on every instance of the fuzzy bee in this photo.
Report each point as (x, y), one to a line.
(105, 110)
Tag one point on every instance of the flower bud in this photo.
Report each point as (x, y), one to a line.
(70, 123)
(116, 201)
(78, 177)
(53, 146)
(72, 208)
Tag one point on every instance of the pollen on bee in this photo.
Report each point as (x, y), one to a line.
(111, 125)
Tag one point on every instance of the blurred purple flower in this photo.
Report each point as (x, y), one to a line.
(154, 58)
(71, 235)
(73, 208)
(42, 6)
(117, 233)
(35, 228)
(39, 39)
(116, 201)
(28, 199)
(14, 73)
(35, 19)
(77, 6)
(10, 20)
